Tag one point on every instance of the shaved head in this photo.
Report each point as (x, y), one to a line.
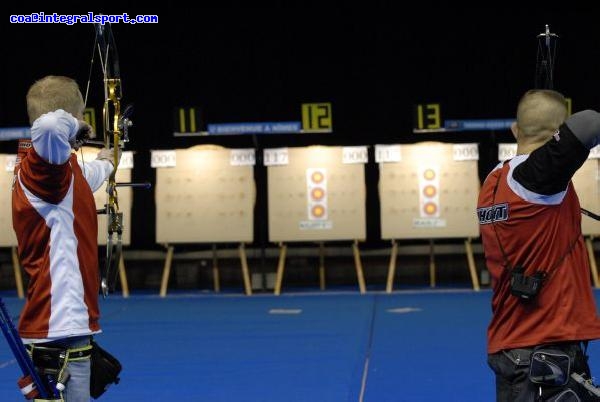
(540, 113)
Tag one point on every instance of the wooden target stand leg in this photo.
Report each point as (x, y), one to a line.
(17, 270)
(123, 277)
(280, 269)
(589, 243)
(431, 264)
(215, 270)
(359, 267)
(245, 271)
(322, 266)
(392, 267)
(166, 271)
(471, 261)
(243, 259)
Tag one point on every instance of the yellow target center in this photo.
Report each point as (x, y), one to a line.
(429, 174)
(430, 208)
(318, 211)
(429, 191)
(317, 177)
(317, 193)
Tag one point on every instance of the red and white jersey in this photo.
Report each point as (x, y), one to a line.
(54, 217)
(529, 208)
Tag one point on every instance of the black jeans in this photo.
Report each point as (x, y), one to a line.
(512, 375)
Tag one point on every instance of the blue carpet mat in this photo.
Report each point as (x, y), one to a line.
(430, 347)
(407, 346)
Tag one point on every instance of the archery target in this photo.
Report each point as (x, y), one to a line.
(7, 234)
(586, 182)
(316, 196)
(206, 196)
(430, 191)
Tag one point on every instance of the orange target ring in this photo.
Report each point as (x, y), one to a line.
(430, 208)
(318, 211)
(317, 193)
(429, 191)
(429, 174)
(317, 177)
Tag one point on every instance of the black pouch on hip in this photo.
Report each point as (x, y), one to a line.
(105, 371)
(550, 367)
(525, 287)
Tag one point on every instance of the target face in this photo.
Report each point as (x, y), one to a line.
(429, 199)
(429, 191)
(430, 208)
(317, 177)
(316, 191)
(429, 174)
(318, 211)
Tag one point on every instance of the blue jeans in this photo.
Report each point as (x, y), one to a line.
(78, 386)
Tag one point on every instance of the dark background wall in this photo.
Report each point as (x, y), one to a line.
(242, 63)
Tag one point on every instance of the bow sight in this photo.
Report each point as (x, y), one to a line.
(546, 56)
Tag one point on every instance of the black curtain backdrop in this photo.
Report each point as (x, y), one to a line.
(253, 63)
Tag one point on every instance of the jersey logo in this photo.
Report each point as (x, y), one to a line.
(495, 213)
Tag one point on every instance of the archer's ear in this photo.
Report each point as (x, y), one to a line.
(515, 130)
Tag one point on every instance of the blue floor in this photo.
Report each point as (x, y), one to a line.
(321, 347)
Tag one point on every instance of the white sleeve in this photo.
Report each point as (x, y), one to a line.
(50, 135)
(96, 172)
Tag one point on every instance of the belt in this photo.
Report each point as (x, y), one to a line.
(70, 354)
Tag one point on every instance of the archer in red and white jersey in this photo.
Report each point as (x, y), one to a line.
(54, 217)
(529, 216)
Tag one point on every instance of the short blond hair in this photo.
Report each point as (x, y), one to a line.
(52, 93)
(540, 112)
